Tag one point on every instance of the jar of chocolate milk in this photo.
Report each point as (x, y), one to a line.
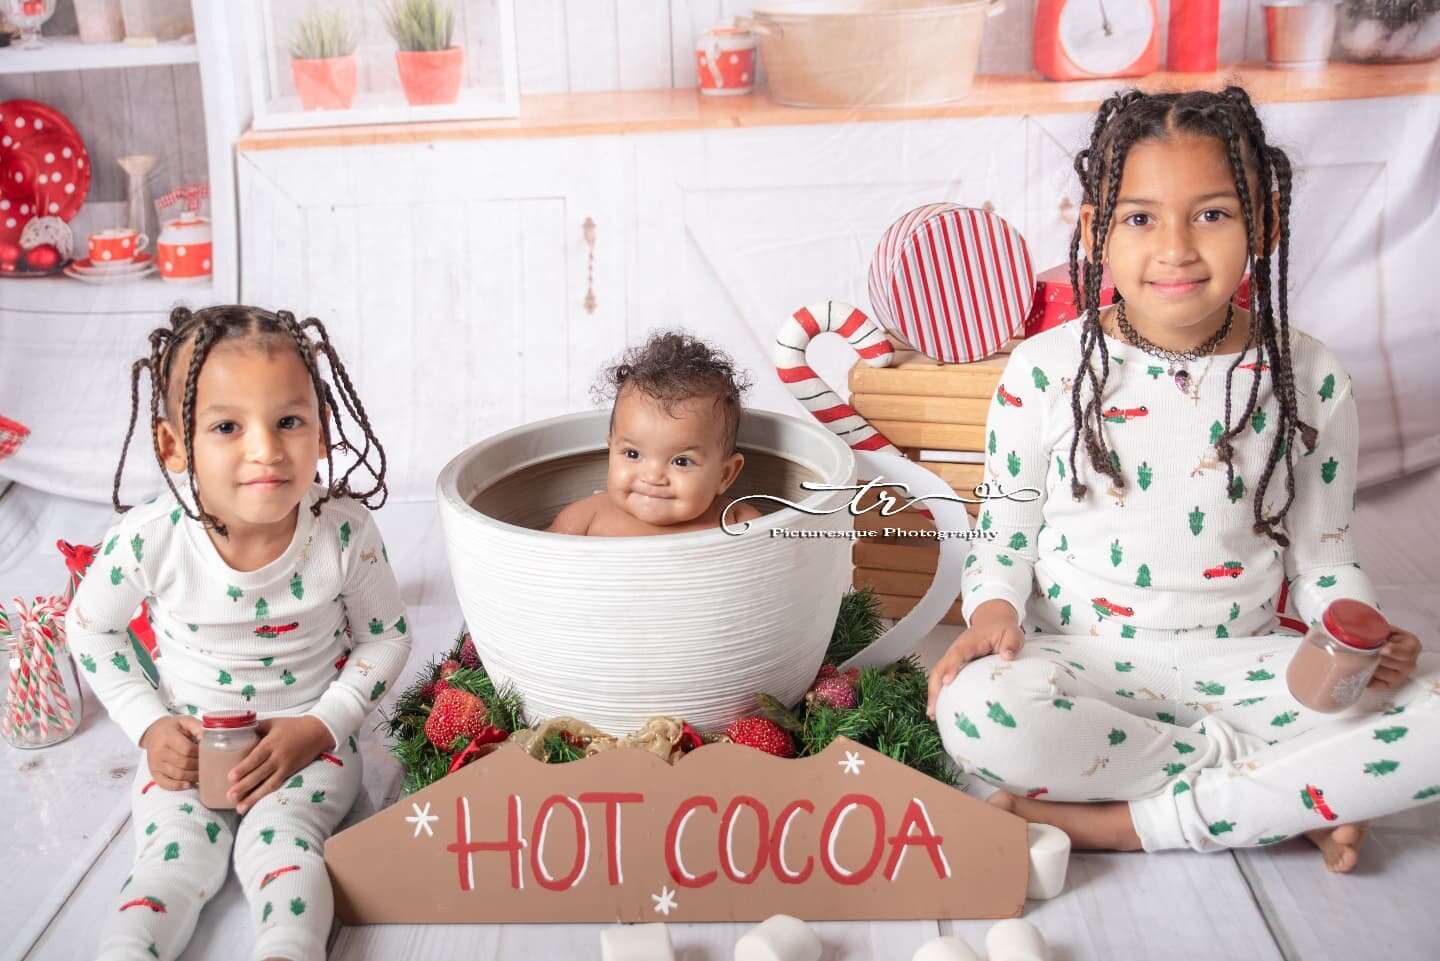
(1337, 658)
(228, 737)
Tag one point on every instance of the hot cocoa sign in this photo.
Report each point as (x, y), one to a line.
(728, 833)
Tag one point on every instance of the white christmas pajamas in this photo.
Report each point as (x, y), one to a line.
(320, 631)
(1153, 669)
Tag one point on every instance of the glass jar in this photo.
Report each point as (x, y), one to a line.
(156, 21)
(1388, 31)
(43, 699)
(1338, 656)
(228, 737)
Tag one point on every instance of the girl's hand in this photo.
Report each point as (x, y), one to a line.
(171, 751)
(1398, 656)
(286, 745)
(994, 629)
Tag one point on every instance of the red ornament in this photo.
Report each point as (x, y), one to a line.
(835, 692)
(762, 734)
(469, 657)
(455, 713)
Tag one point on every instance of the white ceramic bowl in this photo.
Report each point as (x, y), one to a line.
(615, 630)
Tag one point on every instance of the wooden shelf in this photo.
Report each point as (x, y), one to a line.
(668, 110)
(68, 53)
(62, 295)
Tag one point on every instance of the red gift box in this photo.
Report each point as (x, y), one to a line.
(1054, 301)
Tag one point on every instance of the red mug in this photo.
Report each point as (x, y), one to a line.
(119, 245)
(725, 61)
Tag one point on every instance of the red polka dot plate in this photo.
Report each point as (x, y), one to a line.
(44, 167)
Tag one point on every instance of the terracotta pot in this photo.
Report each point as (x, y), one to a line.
(431, 76)
(327, 84)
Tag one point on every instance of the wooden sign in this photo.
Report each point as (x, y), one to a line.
(727, 834)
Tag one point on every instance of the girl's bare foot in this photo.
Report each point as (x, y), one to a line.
(1340, 846)
(1104, 826)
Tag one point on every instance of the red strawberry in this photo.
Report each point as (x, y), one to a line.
(835, 692)
(762, 734)
(455, 713)
(446, 669)
(469, 657)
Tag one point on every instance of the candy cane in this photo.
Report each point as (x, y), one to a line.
(869, 342)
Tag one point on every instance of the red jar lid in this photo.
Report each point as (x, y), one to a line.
(227, 719)
(1356, 624)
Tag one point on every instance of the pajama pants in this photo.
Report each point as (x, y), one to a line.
(1202, 737)
(183, 855)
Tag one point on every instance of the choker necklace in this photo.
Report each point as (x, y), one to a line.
(1176, 358)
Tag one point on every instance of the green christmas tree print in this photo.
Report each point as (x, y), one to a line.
(172, 851)
(1281, 720)
(354, 748)
(345, 536)
(1184, 748)
(1117, 736)
(265, 914)
(1174, 768)
(1248, 701)
(1216, 429)
(1197, 521)
(212, 831)
(400, 627)
(1012, 463)
(992, 442)
(1327, 388)
(302, 844)
(1041, 381)
(1145, 475)
(266, 661)
(1064, 543)
(1116, 553)
(1181, 786)
(377, 626)
(175, 516)
(296, 781)
(1059, 465)
(1001, 716)
(1017, 541)
(1115, 461)
(223, 678)
(1142, 576)
(1053, 592)
(262, 609)
(1124, 667)
(187, 809)
(1221, 827)
(967, 726)
(1390, 734)
(1237, 489)
(1154, 371)
(969, 560)
(1257, 421)
(248, 691)
(1234, 611)
(1222, 631)
(1326, 580)
(1165, 716)
(1063, 704)
(377, 690)
(110, 544)
(1124, 693)
(1210, 688)
(985, 520)
(87, 662)
(297, 587)
(287, 678)
(234, 593)
(1065, 615)
(1327, 470)
(1273, 839)
(1127, 630)
(1259, 675)
(317, 797)
(116, 576)
(1381, 768)
(297, 906)
(137, 545)
(151, 828)
(1427, 793)
(121, 662)
(267, 835)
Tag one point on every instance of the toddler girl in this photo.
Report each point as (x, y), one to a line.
(1194, 457)
(269, 592)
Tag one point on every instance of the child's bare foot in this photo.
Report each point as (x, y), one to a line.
(1103, 826)
(1340, 846)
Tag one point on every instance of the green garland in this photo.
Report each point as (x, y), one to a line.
(890, 717)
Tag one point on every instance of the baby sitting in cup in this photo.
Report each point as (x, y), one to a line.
(672, 443)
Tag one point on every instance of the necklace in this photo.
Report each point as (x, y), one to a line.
(1176, 358)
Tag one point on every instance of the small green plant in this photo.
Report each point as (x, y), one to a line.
(321, 34)
(420, 25)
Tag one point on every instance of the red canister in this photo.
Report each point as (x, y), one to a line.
(1192, 44)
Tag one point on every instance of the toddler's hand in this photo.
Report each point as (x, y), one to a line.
(1398, 656)
(171, 751)
(987, 635)
(286, 745)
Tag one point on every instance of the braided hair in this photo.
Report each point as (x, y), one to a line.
(1229, 116)
(172, 392)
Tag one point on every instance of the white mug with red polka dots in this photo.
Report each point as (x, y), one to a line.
(118, 245)
(184, 250)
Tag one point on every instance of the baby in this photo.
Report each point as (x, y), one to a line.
(672, 443)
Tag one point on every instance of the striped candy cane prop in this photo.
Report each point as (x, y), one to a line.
(38, 706)
(824, 404)
(952, 282)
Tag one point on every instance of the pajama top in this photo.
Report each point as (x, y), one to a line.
(320, 630)
(1173, 552)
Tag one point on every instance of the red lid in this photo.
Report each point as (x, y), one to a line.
(227, 719)
(1356, 624)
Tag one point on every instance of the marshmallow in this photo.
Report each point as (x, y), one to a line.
(1049, 855)
(779, 938)
(1015, 940)
(945, 948)
(636, 942)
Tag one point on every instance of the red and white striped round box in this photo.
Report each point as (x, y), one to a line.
(952, 282)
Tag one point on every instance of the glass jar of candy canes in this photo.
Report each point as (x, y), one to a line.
(42, 696)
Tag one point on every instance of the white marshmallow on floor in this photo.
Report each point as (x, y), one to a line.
(1049, 856)
(1015, 940)
(636, 942)
(779, 938)
(945, 948)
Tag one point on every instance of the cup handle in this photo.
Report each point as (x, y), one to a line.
(141, 241)
(950, 515)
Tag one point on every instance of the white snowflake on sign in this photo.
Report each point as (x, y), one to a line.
(853, 762)
(421, 819)
(664, 901)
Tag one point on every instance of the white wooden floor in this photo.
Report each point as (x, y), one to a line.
(67, 844)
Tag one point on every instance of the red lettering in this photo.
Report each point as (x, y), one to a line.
(777, 844)
(582, 844)
(831, 831)
(674, 835)
(726, 836)
(612, 801)
(916, 817)
(464, 848)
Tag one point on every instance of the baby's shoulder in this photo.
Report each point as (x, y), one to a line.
(577, 517)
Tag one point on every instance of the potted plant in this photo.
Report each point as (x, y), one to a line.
(1388, 31)
(322, 59)
(430, 66)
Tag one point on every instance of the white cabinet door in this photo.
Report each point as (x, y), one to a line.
(453, 277)
(736, 229)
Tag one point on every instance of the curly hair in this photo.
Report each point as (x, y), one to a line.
(172, 393)
(673, 367)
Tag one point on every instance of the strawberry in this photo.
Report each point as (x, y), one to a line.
(834, 692)
(442, 683)
(455, 713)
(469, 657)
(763, 735)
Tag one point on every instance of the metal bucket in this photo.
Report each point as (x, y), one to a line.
(1299, 33)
